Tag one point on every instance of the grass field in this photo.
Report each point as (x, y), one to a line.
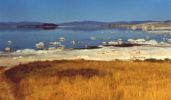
(90, 80)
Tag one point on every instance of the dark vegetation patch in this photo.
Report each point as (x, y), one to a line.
(158, 60)
(124, 45)
(128, 45)
(88, 47)
(2, 68)
(16, 73)
(69, 61)
(81, 72)
(51, 69)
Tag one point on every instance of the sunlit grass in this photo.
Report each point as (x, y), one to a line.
(91, 80)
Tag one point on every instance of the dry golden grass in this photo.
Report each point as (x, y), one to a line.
(91, 80)
(5, 93)
(2, 90)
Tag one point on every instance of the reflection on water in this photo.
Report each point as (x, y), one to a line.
(22, 39)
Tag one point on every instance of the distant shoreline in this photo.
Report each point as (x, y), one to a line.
(148, 25)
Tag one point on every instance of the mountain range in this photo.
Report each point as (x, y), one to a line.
(76, 24)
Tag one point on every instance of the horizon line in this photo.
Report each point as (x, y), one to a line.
(84, 21)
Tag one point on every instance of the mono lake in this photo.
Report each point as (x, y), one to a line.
(26, 39)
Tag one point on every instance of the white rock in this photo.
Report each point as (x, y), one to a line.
(169, 41)
(61, 39)
(93, 38)
(54, 43)
(40, 45)
(7, 49)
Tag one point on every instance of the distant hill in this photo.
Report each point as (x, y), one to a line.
(84, 25)
(132, 25)
(96, 23)
(26, 25)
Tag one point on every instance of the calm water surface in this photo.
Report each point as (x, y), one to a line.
(28, 38)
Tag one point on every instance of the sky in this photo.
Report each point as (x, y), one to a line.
(80, 10)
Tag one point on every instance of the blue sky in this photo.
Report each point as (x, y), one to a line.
(79, 10)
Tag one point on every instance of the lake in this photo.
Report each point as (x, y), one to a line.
(26, 39)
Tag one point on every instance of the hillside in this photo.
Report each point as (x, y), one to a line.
(26, 25)
(144, 25)
(90, 25)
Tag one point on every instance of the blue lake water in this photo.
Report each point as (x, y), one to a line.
(28, 38)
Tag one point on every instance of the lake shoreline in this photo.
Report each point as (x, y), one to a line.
(101, 54)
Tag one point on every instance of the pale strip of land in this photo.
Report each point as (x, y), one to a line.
(102, 54)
